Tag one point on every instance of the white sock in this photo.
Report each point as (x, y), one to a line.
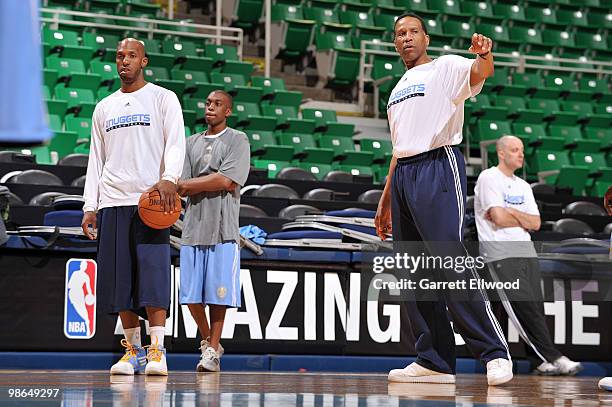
(157, 335)
(132, 335)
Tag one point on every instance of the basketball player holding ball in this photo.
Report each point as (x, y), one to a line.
(216, 166)
(137, 145)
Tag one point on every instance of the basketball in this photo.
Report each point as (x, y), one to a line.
(152, 214)
(89, 299)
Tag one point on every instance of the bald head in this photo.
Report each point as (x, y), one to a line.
(131, 60)
(506, 141)
(132, 43)
(510, 153)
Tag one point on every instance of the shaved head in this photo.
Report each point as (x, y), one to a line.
(132, 43)
(510, 153)
(505, 141)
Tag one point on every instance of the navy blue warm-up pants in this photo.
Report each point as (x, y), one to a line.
(428, 204)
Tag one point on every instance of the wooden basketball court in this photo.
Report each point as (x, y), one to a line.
(288, 389)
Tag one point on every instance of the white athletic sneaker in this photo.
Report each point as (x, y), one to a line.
(567, 367)
(547, 369)
(156, 366)
(204, 343)
(499, 371)
(415, 373)
(209, 361)
(606, 383)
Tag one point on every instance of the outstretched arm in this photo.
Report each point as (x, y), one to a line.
(482, 68)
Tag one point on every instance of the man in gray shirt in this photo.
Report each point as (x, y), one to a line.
(216, 165)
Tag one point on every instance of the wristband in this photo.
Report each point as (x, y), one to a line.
(484, 55)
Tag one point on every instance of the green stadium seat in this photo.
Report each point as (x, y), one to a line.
(106, 71)
(273, 167)
(50, 77)
(555, 38)
(316, 169)
(359, 19)
(221, 53)
(541, 15)
(65, 67)
(281, 113)
(245, 69)
(473, 106)
(510, 11)
(57, 107)
(152, 45)
(155, 73)
(230, 81)
(529, 35)
(161, 60)
(356, 170)
(380, 148)
(569, 15)
(592, 41)
(477, 8)
(599, 18)
(593, 85)
(549, 107)
(243, 110)
(89, 81)
(287, 98)
(296, 38)
(60, 38)
(104, 92)
(336, 129)
(496, 32)
(46, 92)
(530, 81)
(55, 122)
(512, 103)
(313, 155)
(490, 130)
(448, 7)
(298, 142)
(249, 94)
(282, 12)
(176, 86)
(259, 124)
(142, 8)
(81, 126)
(322, 15)
(320, 116)
(463, 29)
(299, 126)
(63, 143)
(528, 131)
(78, 99)
(248, 13)
(180, 49)
(581, 108)
(189, 78)
(339, 145)
(269, 85)
(81, 148)
(202, 90)
(359, 158)
(193, 63)
(198, 106)
(415, 5)
(259, 140)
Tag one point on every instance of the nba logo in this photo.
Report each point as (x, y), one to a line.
(80, 299)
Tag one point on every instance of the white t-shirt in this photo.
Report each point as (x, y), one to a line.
(137, 139)
(494, 188)
(425, 109)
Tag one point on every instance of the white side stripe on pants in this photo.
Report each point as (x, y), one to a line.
(459, 195)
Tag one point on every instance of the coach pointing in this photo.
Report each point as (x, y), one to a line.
(424, 198)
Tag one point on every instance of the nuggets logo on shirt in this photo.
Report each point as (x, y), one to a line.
(137, 119)
(406, 93)
(514, 199)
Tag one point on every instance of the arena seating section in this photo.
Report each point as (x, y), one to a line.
(564, 117)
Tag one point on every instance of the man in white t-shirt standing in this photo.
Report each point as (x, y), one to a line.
(506, 211)
(424, 200)
(137, 144)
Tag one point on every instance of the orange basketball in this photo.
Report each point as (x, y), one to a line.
(152, 214)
